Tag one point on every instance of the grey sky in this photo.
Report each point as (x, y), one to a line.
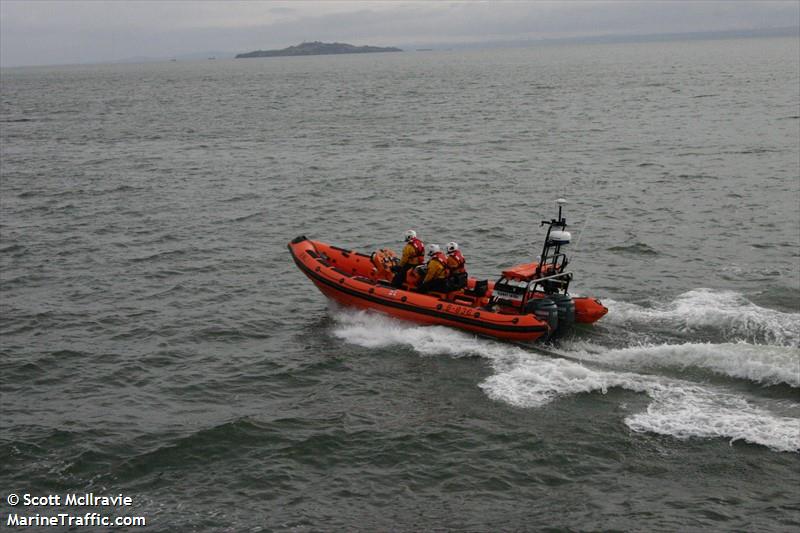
(58, 32)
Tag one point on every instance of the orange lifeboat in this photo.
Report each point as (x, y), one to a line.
(528, 302)
(351, 279)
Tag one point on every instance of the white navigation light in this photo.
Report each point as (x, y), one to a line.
(561, 201)
(560, 237)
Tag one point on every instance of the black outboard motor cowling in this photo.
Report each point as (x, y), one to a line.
(545, 310)
(566, 309)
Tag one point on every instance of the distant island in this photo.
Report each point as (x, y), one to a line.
(317, 49)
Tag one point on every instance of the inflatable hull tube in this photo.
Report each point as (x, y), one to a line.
(588, 310)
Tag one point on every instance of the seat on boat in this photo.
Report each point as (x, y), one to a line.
(479, 289)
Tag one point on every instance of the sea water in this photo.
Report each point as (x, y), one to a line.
(158, 341)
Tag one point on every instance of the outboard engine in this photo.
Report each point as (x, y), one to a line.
(566, 309)
(545, 310)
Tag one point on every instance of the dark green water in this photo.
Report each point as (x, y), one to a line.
(157, 340)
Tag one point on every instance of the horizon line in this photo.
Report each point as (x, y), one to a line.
(610, 38)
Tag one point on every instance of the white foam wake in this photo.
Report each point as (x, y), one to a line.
(764, 364)
(521, 378)
(729, 312)
(685, 411)
(678, 408)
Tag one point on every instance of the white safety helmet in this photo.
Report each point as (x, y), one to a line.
(409, 234)
(452, 247)
(433, 249)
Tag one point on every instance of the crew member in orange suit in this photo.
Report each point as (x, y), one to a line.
(413, 255)
(436, 275)
(456, 273)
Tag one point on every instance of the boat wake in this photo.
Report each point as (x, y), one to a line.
(762, 364)
(679, 407)
(720, 314)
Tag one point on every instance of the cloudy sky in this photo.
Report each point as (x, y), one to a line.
(62, 32)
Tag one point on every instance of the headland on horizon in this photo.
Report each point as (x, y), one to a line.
(317, 48)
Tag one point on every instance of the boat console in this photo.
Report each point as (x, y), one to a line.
(540, 287)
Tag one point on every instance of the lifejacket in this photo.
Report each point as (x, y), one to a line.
(455, 263)
(413, 253)
(419, 249)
